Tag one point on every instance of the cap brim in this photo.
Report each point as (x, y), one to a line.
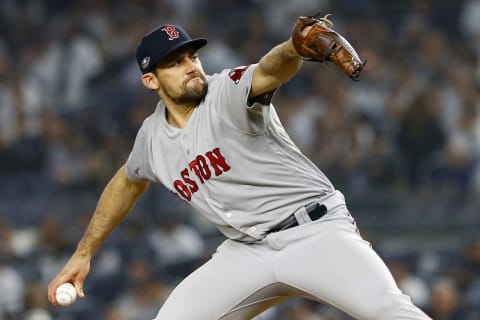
(195, 43)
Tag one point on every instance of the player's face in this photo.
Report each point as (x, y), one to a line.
(181, 77)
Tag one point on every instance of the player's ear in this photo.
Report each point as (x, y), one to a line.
(150, 81)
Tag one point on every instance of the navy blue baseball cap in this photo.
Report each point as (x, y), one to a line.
(158, 43)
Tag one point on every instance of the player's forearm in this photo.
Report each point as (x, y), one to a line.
(117, 199)
(278, 66)
(281, 62)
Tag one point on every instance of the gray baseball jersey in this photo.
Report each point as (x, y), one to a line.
(233, 162)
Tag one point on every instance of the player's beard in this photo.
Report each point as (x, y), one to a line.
(190, 92)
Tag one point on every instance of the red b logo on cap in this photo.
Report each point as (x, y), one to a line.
(171, 31)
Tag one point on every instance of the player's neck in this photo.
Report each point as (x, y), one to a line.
(178, 116)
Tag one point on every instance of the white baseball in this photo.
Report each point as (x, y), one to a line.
(66, 294)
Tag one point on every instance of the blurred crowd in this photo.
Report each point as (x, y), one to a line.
(403, 144)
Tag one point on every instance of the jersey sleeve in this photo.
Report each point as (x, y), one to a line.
(233, 106)
(138, 166)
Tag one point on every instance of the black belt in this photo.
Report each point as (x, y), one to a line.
(314, 210)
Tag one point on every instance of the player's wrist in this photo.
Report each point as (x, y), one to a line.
(290, 51)
(83, 252)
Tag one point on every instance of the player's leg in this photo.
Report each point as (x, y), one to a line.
(236, 284)
(330, 261)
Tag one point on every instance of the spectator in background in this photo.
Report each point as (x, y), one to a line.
(12, 287)
(65, 153)
(470, 25)
(36, 304)
(81, 61)
(145, 291)
(175, 243)
(453, 173)
(457, 167)
(444, 301)
(420, 136)
(410, 284)
(114, 312)
(468, 127)
(467, 274)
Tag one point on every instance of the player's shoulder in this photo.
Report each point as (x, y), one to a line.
(150, 121)
(217, 76)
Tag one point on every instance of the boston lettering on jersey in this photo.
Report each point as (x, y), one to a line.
(203, 166)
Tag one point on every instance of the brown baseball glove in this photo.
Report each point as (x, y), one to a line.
(322, 43)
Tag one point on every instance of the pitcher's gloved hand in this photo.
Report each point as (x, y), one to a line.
(322, 43)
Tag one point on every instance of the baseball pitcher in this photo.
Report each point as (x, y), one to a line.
(218, 144)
